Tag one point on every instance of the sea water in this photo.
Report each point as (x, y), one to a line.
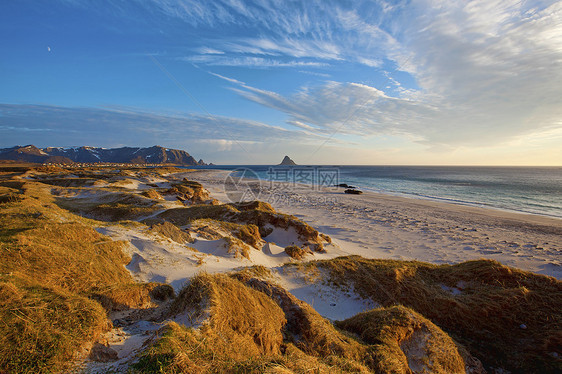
(536, 190)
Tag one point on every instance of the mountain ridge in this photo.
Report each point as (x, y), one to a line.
(86, 154)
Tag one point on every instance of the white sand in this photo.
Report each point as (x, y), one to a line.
(376, 225)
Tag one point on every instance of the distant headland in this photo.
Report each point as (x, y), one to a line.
(287, 161)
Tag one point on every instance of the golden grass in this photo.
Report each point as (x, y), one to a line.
(42, 327)
(52, 267)
(152, 194)
(249, 234)
(305, 328)
(486, 316)
(242, 322)
(245, 332)
(254, 271)
(403, 340)
(184, 350)
(295, 252)
(254, 205)
(213, 229)
(112, 207)
(189, 190)
(171, 231)
(132, 295)
(250, 325)
(256, 213)
(237, 247)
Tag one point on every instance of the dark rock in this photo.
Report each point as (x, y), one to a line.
(162, 292)
(102, 353)
(353, 192)
(287, 161)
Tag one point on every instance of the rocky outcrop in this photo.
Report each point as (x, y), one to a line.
(287, 161)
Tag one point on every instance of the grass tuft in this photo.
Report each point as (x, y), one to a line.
(491, 302)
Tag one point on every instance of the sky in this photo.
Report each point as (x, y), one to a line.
(428, 82)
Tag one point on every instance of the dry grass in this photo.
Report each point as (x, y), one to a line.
(249, 234)
(254, 205)
(171, 231)
(246, 331)
(237, 247)
(152, 194)
(183, 350)
(256, 213)
(403, 340)
(305, 328)
(112, 207)
(242, 322)
(68, 182)
(9, 195)
(42, 327)
(249, 325)
(132, 296)
(190, 191)
(494, 301)
(213, 229)
(52, 267)
(295, 252)
(254, 271)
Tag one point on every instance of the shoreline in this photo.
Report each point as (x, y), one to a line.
(414, 196)
(377, 225)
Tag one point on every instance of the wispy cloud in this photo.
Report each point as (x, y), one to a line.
(297, 48)
(488, 71)
(231, 80)
(248, 61)
(345, 108)
(210, 51)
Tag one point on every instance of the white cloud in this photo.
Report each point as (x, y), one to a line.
(297, 48)
(210, 51)
(249, 61)
(231, 80)
(345, 108)
(488, 71)
(370, 62)
(227, 144)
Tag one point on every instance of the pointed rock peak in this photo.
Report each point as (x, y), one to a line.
(287, 161)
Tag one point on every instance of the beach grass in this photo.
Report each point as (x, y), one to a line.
(56, 276)
(506, 317)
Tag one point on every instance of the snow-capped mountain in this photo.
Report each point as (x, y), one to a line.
(151, 155)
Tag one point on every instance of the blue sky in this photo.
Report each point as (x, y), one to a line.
(326, 82)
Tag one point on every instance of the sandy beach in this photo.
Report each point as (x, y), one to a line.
(376, 225)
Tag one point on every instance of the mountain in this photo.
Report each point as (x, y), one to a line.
(287, 161)
(151, 155)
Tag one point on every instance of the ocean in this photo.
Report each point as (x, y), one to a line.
(535, 190)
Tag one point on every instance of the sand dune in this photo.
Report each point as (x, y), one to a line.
(376, 225)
